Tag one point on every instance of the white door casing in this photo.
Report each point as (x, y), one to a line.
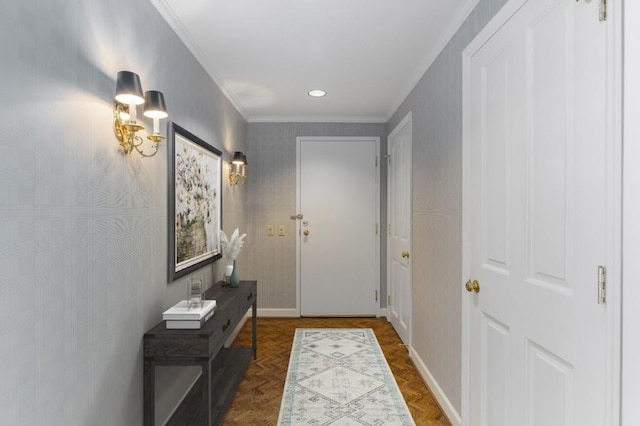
(631, 227)
(399, 229)
(338, 198)
(540, 215)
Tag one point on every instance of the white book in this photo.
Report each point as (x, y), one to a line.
(181, 312)
(188, 324)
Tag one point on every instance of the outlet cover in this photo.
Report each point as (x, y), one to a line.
(270, 230)
(281, 231)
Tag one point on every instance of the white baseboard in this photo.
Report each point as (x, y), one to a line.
(293, 313)
(442, 399)
(277, 313)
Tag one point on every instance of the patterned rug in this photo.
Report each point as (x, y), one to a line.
(339, 376)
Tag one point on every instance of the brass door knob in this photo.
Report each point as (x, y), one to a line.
(305, 232)
(472, 286)
(405, 254)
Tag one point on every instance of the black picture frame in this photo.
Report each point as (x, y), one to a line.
(194, 196)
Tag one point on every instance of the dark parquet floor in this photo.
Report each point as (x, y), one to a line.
(257, 401)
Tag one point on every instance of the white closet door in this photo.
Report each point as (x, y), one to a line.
(536, 215)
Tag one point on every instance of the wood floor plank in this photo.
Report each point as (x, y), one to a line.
(257, 401)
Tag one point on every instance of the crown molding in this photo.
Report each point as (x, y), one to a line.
(315, 119)
(181, 31)
(441, 43)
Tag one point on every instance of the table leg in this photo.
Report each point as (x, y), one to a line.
(206, 389)
(254, 316)
(149, 390)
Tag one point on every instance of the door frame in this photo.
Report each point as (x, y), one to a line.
(407, 120)
(299, 140)
(613, 203)
(631, 214)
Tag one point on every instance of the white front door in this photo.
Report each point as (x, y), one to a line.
(338, 241)
(537, 345)
(399, 229)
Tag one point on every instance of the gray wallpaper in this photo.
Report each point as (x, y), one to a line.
(436, 103)
(271, 152)
(83, 228)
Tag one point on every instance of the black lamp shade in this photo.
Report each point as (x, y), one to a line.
(238, 158)
(244, 159)
(154, 106)
(129, 88)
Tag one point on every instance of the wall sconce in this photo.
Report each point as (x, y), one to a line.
(237, 173)
(128, 97)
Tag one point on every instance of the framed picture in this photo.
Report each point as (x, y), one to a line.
(195, 202)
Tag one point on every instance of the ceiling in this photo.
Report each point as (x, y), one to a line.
(267, 54)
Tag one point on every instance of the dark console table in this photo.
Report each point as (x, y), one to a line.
(222, 368)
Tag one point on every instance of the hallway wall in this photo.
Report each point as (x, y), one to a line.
(83, 244)
(436, 103)
(271, 152)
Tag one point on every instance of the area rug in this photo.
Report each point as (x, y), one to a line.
(339, 376)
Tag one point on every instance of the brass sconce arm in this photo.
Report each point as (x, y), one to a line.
(128, 95)
(125, 132)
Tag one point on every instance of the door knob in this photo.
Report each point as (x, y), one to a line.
(472, 286)
(405, 254)
(305, 232)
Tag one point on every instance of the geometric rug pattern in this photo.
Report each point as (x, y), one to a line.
(340, 377)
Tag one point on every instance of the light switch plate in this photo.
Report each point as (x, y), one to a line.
(270, 230)
(281, 231)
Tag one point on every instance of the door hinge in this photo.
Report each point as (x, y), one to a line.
(389, 300)
(376, 295)
(602, 285)
(603, 10)
(389, 160)
(376, 161)
(389, 228)
(376, 229)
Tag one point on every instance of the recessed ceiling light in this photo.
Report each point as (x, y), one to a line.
(316, 93)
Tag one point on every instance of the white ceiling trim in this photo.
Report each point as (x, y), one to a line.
(172, 19)
(315, 119)
(455, 24)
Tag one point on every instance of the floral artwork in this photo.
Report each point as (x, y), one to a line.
(195, 203)
(196, 194)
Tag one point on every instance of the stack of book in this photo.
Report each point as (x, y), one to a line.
(185, 317)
